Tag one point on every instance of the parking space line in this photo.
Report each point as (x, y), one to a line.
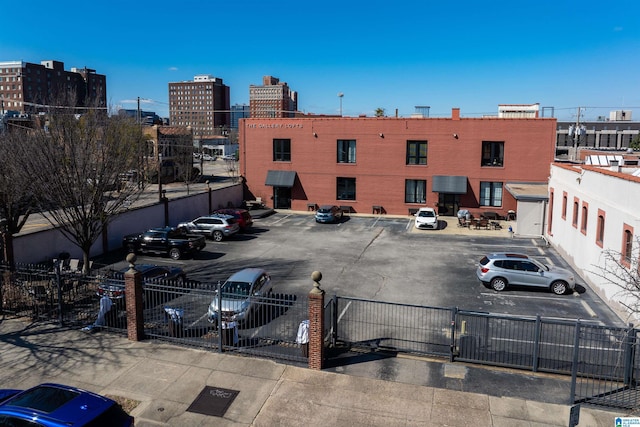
(518, 296)
(408, 227)
(281, 219)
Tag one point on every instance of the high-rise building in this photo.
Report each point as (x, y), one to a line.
(202, 104)
(29, 88)
(239, 111)
(272, 99)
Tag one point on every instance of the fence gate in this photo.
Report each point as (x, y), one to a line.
(380, 325)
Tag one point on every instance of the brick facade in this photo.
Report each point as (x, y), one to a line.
(380, 170)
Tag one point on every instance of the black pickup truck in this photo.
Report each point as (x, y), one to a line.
(174, 242)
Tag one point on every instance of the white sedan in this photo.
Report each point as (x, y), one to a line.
(427, 218)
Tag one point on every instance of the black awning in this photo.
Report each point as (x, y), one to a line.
(280, 178)
(449, 184)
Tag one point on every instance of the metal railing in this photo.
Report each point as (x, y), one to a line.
(603, 361)
(268, 328)
(43, 292)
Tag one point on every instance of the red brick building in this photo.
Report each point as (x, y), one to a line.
(394, 165)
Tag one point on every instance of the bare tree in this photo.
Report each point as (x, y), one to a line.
(77, 164)
(16, 196)
(621, 270)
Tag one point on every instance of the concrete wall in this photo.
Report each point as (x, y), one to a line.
(46, 244)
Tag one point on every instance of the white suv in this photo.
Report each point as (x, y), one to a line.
(500, 270)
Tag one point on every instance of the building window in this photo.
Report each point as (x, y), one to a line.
(346, 151)
(600, 229)
(490, 194)
(281, 150)
(415, 191)
(627, 245)
(416, 152)
(583, 220)
(492, 153)
(346, 188)
(564, 205)
(576, 210)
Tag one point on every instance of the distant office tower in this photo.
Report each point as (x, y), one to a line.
(239, 111)
(272, 99)
(202, 104)
(30, 88)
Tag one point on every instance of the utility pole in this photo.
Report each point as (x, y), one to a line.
(575, 133)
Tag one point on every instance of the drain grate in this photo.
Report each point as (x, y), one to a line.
(213, 401)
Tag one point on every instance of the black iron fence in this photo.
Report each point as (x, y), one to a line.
(200, 316)
(48, 292)
(603, 361)
(389, 326)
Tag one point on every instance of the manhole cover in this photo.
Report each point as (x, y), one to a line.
(213, 401)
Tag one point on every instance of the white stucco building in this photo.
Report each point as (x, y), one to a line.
(594, 209)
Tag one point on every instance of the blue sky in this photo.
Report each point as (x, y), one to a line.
(468, 54)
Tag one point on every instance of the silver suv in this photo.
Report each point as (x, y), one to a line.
(216, 227)
(241, 296)
(499, 270)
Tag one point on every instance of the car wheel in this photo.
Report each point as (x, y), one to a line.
(217, 236)
(559, 287)
(175, 253)
(498, 284)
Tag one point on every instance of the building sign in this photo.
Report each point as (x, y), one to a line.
(627, 421)
(274, 125)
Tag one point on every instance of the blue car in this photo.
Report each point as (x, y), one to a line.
(328, 213)
(52, 405)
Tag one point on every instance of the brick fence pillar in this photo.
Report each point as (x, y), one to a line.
(134, 301)
(316, 323)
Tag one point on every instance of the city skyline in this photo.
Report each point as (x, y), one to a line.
(461, 55)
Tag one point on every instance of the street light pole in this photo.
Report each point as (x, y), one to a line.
(340, 95)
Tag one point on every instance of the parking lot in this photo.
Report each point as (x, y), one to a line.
(387, 259)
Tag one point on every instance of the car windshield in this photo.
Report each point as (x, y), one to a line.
(428, 214)
(44, 398)
(237, 288)
(324, 210)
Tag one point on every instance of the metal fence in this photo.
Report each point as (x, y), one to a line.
(45, 292)
(603, 361)
(183, 315)
(389, 326)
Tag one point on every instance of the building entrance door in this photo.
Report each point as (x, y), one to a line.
(281, 197)
(448, 204)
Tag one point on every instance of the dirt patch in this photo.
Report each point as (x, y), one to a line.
(127, 404)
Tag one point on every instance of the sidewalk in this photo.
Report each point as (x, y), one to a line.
(160, 381)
